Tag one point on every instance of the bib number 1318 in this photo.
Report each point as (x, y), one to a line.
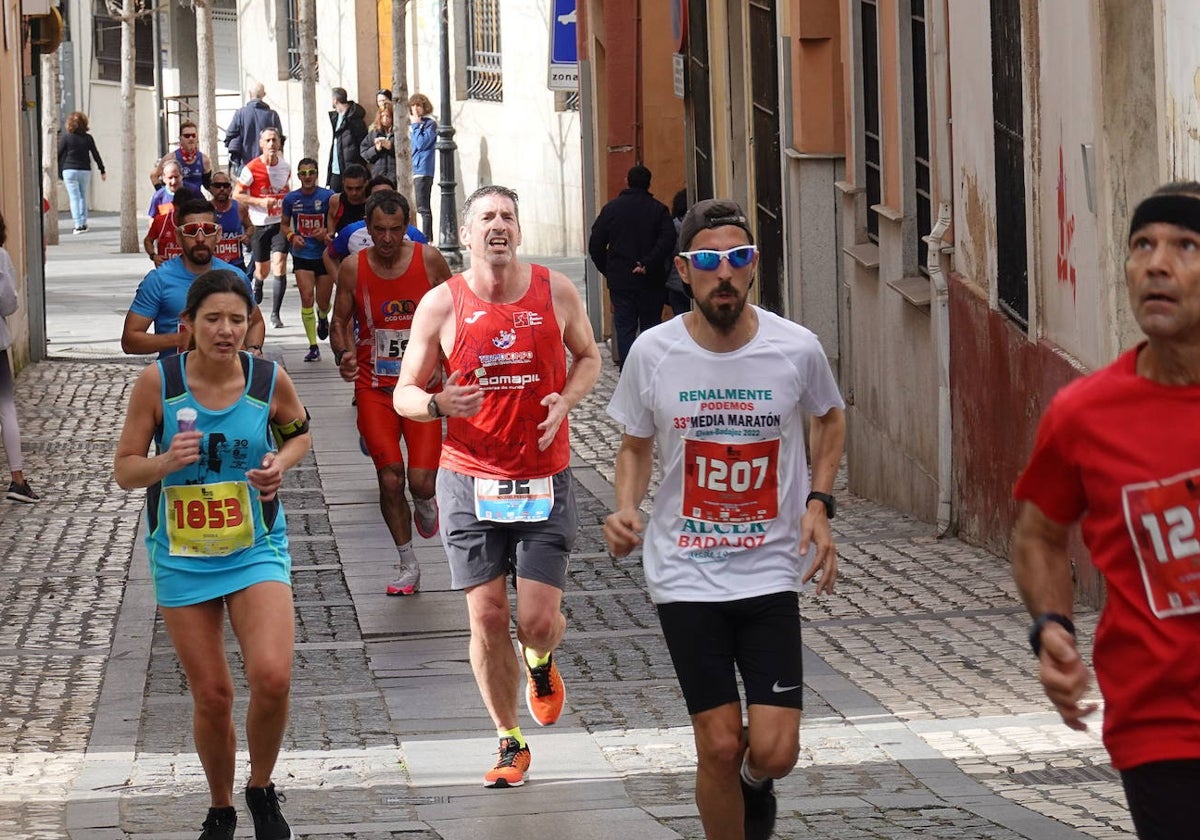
(725, 482)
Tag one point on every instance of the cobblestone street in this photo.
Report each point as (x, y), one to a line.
(922, 713)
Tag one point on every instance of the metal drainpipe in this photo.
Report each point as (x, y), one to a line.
(940, 109)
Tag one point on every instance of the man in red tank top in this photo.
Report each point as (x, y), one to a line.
(504, 483)
(379, 288)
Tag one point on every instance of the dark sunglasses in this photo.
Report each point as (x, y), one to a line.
(222, 185)
(194, 230)
(303, 172)
(189, 136)
(708, 260)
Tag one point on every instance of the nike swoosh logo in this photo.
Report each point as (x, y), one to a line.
(475, 316)
(780, 689)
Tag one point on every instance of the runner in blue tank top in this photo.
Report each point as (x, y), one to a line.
(216, 533)
(303, 226)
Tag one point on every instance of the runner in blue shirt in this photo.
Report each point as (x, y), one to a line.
(303, 226)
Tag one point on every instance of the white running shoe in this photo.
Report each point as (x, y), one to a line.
(407, 582)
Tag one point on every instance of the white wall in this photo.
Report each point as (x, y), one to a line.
(522, 142)
(973, 151)
(1068, 281)
(1181, 72)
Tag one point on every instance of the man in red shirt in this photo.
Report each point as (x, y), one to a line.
(379, 289)
(504, 481)
(1118, 452)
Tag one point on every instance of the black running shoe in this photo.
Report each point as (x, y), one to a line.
(760, 810)
(269, 823)
(258, 292)
(21, 493)
(220, 825)
(322, 327)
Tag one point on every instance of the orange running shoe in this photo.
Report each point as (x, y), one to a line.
(545, 692)
(511, 767)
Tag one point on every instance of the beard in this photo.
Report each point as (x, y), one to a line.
(722, 316)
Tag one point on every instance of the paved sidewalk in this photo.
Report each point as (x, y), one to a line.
(922, 716)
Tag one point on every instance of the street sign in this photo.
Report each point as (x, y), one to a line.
(564, 50)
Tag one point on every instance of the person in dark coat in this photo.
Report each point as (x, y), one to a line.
(349, 123)
(632, 240)
(241, 138)
(378, 147)
(76, 151)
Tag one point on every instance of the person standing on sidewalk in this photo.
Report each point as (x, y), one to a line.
(348, 120)
(631, 243)
(422, 134)
(216, 534)
(738, 527)
(261, 186)
(241, 137)
(76, 151)
(1117, 451)
(303, 226)
(504, 482)
(10, 432)
(162, 294)
(378, 290)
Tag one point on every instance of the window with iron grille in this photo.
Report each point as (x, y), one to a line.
(294, 45)
(1012, 270)
(484, 76)
(106, 45)
(872, 140)
(566, 100)
(920, 112)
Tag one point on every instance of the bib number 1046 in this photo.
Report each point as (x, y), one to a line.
(731, 482)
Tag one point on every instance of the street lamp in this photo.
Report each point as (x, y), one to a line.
(448, 241)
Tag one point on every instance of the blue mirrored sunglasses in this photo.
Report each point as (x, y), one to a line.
(708, 260)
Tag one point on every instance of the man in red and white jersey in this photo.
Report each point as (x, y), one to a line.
(504, 485)
(261, 186)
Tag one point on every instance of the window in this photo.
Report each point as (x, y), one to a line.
(1012, 271)
(294, 45)
(106, 44)
(485, 79)
(872, 145)
(566, 100)
(701, 99)
(920, 111)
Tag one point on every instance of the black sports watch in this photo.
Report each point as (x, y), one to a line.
(434, 411)
(1039, 624)
(825, 499)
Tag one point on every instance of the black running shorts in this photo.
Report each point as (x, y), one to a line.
(759, 636)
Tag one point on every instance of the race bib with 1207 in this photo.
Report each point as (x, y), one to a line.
(1162, 518)
(389, 351)
(514, 499)
(730, 482)
(208, 520)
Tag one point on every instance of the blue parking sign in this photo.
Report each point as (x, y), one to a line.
(563, 47)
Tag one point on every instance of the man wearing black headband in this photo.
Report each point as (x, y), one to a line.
(737, 528)
(1119, 451)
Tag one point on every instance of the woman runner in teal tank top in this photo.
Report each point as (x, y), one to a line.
(216, 533)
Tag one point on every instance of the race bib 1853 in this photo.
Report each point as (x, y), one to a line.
(1162, 518)
(208, 520)
(730, 482)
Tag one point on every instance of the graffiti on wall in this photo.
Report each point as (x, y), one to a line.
(1066, 230)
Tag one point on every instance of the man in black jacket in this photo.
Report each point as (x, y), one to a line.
(632, 240)
(241, 138)
(348, 120)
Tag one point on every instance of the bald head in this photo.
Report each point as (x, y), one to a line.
(256, 90)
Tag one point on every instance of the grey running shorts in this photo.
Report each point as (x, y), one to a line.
(480, 551)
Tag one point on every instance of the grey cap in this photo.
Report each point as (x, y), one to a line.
(712, 213)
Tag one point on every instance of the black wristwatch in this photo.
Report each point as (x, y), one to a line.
(432, 407)
(825, 499)
(1039, 624)
(338, 355)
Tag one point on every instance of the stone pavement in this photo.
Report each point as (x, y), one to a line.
(922, 715)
